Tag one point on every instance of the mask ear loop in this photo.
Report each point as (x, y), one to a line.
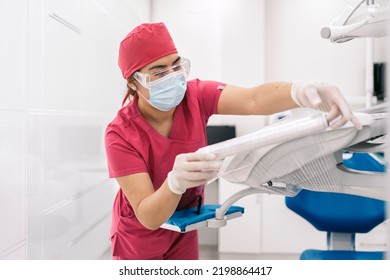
(131, 89)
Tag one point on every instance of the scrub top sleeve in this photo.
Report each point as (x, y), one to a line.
(122, 159)
(208, 95)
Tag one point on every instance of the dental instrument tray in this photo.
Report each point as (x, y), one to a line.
(188, 219)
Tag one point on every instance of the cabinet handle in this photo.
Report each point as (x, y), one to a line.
(373, 244)
(66, 23)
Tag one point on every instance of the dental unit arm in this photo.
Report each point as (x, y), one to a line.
(273, 145)
(358, 21)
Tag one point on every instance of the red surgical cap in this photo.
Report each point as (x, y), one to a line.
(143, 45)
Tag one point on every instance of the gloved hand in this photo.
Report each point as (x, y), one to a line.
(191, 170)
(327, 98)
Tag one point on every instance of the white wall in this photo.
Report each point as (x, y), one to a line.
(224, 40)
(60, 86)
(296, 51)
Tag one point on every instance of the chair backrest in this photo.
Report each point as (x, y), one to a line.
(340, 212)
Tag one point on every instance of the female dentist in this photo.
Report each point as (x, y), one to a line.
(151, 143)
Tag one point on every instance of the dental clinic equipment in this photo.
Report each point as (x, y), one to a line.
(313, 161)
(214, 216)
(358, 21)
(288, 156)
(303, 153)
(266, 136)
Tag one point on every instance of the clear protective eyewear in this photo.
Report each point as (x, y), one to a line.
(146, 79)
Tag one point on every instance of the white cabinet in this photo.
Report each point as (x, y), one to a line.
(241, 235)
(285, 232)
(375, 240)
(69, 13)
(13, 30)
(102, 86)
(73, 77)
(70, 196)
(12, 187)
(62, 66)
(13, 129)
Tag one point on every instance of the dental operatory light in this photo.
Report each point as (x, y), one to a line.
(360, 19)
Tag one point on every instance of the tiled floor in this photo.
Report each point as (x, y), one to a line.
(211, 253)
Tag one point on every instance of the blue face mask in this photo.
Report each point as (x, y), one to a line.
(166, 93)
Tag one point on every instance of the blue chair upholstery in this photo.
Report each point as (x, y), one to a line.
(341, 255)
(341, 214)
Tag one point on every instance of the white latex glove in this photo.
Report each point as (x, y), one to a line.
(191, 170)
(327, 98)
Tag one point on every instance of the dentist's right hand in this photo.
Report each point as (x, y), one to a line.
(327, 98)
(191, 170)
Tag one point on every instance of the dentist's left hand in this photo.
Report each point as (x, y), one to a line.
(191, 170)
(327, 98)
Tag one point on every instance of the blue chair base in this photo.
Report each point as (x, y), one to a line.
(341, 255)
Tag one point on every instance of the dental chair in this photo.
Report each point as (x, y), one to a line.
(288, 157)
(341, 215)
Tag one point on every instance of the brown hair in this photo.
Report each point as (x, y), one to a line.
(130, 92)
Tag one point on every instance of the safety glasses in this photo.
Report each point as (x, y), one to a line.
(146, 79)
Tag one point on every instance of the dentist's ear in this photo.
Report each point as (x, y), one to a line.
(132, 87)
